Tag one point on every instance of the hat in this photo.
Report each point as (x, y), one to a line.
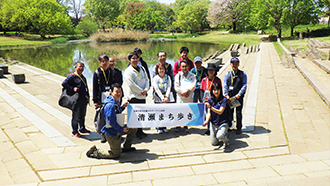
(232, 60)
(212, 66)
(198, 59)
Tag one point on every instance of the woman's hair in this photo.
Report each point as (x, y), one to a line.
(131, 55)
(158, 66)
(218, 87)
(103, 56)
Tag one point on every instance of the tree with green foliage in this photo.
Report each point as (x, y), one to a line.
(192, 16)
(300, 12)
(104, 12)
(87, 26)
(271, 10)
(131, 14)
(35, 16)
(149, 19)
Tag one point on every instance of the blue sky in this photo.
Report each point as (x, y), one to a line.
(166, 1)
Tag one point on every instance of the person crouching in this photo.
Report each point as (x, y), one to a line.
(113, 130)
(219, 117)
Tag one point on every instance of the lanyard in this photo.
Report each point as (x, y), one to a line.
(232, 77)
(162, 84)
(207, 83)
(82, 80)
(105, 77)
(137, 73)
(200, 75)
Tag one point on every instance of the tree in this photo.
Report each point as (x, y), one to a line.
(272, 11)
(300, 12)
(36, 16)
(75, 7)
(149, 19)
(226, 12)
(131, 14)
(87, 26)
(192, 16)
(103, 11)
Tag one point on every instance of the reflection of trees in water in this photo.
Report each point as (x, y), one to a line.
(60, 58)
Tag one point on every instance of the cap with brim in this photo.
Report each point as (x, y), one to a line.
(196, 59)
(234, 59)
(212, 66)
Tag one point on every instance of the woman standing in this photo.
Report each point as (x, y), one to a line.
(162, 86)
(218, 116)
(137, 82)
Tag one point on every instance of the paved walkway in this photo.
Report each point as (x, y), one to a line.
(289, 143)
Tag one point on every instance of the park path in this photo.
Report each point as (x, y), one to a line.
(289, 143)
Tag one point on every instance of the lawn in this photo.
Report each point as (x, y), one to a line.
(12, 42)
(217, 37)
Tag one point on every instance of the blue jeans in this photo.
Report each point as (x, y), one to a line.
(219, 133)
(78, 116)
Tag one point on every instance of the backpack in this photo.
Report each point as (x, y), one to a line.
(99, 120)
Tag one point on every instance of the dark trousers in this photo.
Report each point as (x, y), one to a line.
(78, 116)
(238, 114)
(138, 101)
(197, 96)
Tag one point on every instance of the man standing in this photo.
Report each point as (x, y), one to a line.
(184, 51)
(113, 130)
(137, 82)
(235, 83)
(76, 82)
(200, 73)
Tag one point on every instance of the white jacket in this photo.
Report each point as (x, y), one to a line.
(135, 82)
(184, 82)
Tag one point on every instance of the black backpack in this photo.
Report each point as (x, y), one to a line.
(99, 120)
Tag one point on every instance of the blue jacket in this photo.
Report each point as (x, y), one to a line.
(112, 108)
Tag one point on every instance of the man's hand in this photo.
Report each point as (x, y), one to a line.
(228, 99)
(75, 89)
(165, 100)
(237, 96)
(96, 105)
(144, 92)
(125, 129)
(125, 105)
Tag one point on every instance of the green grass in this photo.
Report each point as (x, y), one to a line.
(13, 42)
(59, 40)
(278, 48)
(217, 38)
(173, 36)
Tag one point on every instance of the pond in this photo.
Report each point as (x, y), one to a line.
(59, 59)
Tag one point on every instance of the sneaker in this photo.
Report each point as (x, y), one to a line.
(207, 133)
(238, 131)
(160, 131)
(185, 127)
(139, 136)
(85, 131)
(77, 134)
(165, 130)
(90, 152)
(128, 150)
(103, 139)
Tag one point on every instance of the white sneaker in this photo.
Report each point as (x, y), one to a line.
(160, 131)
(165, 130)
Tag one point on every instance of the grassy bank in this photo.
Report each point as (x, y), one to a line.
(217, 37)
(15, 41)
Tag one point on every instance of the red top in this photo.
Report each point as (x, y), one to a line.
(206, 83)
(177, 67)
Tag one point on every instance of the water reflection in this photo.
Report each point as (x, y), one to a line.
(60, 58)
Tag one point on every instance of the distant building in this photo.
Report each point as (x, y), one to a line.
(323, 20)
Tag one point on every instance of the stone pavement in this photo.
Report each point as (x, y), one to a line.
(289, 143)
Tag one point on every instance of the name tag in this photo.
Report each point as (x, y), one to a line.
(231, 88)
(107, 88)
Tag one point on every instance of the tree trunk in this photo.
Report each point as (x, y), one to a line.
(292, 27)
(328, 20)
(234, 26)
(279, 32)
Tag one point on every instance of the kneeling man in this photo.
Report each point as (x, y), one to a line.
(112, 130)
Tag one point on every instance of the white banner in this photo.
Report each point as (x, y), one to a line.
(165, 115)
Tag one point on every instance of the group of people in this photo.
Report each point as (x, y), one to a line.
(185, 82)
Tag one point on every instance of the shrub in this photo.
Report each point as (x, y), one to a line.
(87, 27)
(59, 40)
